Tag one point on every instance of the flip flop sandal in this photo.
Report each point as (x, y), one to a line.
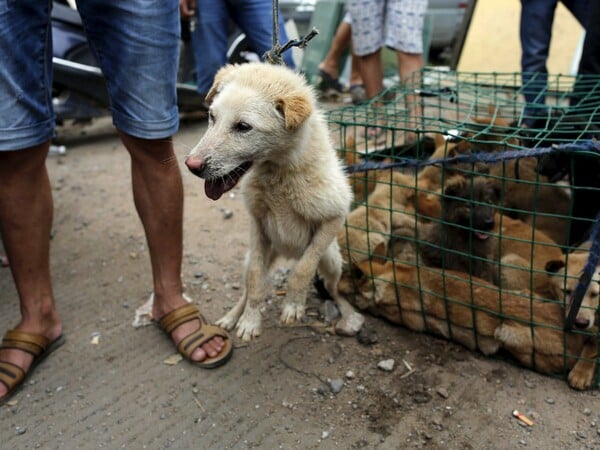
(358, 94)
(196, 338)
(327, 82)
(13, 376)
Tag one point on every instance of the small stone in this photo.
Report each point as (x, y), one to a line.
(324, 435)
(421, 397)
(198, 274)
(550, 401)
(581, 435)
(329, 311)
(227, 214)
(336, 385)
(95, 338)
(350, 375)
(442, 392)
(587, 412)
(321, 389)
(367, 336)
(387, 365)
(21, 430)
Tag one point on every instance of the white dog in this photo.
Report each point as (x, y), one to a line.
(264, 124)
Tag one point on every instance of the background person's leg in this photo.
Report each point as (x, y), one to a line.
(537, 17)
(210, 41)
(255, 18)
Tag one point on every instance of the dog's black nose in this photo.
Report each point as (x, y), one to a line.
(582, 324)
(488, 223)
(195, 164)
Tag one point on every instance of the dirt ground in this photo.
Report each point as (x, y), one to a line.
(295, 387)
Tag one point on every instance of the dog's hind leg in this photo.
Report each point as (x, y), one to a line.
(229, 320)
(330, 269)
(304, 271)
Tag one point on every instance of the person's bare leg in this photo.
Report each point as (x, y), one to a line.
(158, 197)
(409, 65)
(25, 224)
(371, 72)
(355, 76)
(339, 45)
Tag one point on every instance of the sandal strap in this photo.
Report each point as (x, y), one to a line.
(10, 375)
(34, 344)
(198, 338)
(179, 316)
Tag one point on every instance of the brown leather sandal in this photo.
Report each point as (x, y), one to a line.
(13, 376)
(197, 338)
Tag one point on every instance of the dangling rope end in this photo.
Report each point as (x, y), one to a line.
(273, 56)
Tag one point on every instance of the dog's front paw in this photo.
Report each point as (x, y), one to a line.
(292, 312)
(581, 376)
(349, 324)
(229, 320)
(250, 324)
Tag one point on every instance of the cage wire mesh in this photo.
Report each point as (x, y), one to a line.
(472, 226)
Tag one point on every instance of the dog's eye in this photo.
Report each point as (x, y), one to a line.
(568, 292)
(242, 127)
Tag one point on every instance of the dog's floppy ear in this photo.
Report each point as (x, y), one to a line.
(371, 268)
(455, 187)
(295, 109)
(554, 265)
(218, 82)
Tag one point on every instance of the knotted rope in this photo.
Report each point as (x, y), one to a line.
(273, 56)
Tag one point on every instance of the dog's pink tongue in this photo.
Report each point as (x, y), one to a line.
(214, 189)
(482, 236)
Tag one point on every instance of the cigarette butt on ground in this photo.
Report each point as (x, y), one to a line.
(526, 420)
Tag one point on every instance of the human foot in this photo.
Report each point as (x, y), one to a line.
(328, 82)
(198, 341)
(20, 353)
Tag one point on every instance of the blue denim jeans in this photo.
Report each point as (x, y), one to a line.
(136, 43)
(537, 17)
(210, 39)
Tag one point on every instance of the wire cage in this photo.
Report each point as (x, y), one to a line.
(475, 215)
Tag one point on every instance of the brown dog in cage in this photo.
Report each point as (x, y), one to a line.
(564, 275)
(527, 195)
(474, 238)
(391, 209)
(397, 204)
(525, 252)
(474, 313)
(463, 239)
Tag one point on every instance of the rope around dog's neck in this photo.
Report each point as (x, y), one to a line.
(273, 56)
